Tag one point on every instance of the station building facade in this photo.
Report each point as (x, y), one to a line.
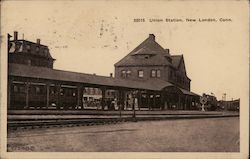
(151, 62)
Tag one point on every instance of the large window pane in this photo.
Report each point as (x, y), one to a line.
(140, 73)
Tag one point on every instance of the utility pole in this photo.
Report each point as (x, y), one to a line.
(224, 96)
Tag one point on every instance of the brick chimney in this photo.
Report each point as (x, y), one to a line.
(152, 37)
(38, 41)
(167, 50)
(15, 35)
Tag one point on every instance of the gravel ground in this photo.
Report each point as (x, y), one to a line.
(194, 135)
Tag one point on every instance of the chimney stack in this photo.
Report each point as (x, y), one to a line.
(167, 50)
(38, 41)
(15, 35)
(152, 37)
(111, 74)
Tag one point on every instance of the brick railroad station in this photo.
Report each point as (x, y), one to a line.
(149, 77)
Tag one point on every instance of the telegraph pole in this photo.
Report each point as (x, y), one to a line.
(224, 96)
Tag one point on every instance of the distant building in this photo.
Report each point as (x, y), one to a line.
(233, 105)
(29, 53)
(151, 61)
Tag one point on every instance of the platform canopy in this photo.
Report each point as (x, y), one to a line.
(42, 73)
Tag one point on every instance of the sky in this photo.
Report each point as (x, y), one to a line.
(90, 37)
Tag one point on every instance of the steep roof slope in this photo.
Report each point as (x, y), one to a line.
(179, 64)
(176, 59)
(149, 52)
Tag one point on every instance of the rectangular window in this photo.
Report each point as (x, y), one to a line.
(153, 73)
(123, 74)
(158, 73)
(15, 89)
(140, 73)
(128, 73)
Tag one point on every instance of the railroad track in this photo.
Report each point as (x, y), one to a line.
(34, 124)
(47, 123)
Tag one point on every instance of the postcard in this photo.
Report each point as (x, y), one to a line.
(124, 79)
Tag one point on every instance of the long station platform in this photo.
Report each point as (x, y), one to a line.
(73, 114)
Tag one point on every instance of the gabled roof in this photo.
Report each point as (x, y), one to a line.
(176, 59)
(149, 52)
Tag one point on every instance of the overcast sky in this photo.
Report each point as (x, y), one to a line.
(90, 37)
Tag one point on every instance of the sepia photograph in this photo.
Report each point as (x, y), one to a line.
(124, 79)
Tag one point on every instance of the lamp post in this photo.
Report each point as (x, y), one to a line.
(134, 100)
